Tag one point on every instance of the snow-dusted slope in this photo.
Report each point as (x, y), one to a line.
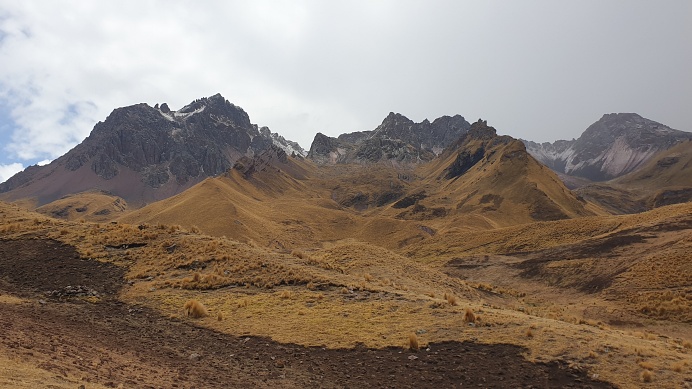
(613, 146)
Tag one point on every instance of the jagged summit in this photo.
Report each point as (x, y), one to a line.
(144, 153)
(397, 139)
(615, 145)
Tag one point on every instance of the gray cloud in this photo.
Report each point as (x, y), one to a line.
(540, 70)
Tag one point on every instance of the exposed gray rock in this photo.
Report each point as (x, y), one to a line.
(613, 146)
(204, 138)
(396, 139)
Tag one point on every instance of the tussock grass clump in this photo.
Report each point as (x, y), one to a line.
(647, 376)
(285, 295)
(298, 254)
(451, 299)
(413, 342)
(195, 309)
(219, 316)
(529, 333)
(678, 366)
(469, 316)
(687, 344)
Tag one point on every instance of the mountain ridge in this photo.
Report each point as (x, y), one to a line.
(397, 139)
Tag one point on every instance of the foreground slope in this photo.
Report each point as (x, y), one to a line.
(350, 298)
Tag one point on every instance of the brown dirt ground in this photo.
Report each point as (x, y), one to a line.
(111, 343)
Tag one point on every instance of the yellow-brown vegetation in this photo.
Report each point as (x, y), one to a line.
(413, 342)
(469, 316)
(195, 309)
(246, 281)
(647, 376)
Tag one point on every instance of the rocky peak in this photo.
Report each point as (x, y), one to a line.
(164, 148)
(474, 146)
(616, 144)
(397, 138)
(481, 130)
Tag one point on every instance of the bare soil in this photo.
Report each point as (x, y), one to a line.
(113, 343)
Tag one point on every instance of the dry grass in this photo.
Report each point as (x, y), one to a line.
(647, 376)
(380, 315)
(451, 299)
(469, 316)
(678, 366)
(413, 342)
(195, 309)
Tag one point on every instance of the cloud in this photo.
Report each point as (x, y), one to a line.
(533, 69)
(7, 171)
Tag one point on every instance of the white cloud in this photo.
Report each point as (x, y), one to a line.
(7, 171)
(533, 69)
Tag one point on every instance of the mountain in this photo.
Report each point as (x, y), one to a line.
(142, 153)
(486, 180)
(397, 139)
(615, 145)
(664, 180)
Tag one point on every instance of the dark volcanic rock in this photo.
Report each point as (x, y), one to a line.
(396, 139)
(203, 139)
(613, 146)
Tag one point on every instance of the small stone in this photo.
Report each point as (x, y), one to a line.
(412, 357)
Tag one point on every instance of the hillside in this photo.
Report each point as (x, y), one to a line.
(481, 181)
(587, 302)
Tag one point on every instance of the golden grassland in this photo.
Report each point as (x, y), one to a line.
(18, 373)
(346, 291)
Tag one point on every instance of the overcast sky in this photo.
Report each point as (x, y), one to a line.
(539, 70)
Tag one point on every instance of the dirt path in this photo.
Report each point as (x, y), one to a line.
(113, 343)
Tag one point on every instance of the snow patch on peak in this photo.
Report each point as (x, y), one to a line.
(166, 115)
(183, 115)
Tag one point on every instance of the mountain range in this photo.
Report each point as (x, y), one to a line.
(142, 154)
